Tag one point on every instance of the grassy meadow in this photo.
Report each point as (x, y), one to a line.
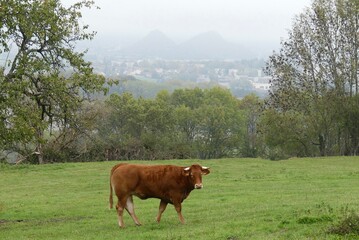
(241, 199)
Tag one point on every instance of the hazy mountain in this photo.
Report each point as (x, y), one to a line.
(210, 45)
(155, 44)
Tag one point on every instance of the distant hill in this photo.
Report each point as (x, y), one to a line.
(209, 45)
(155, 44)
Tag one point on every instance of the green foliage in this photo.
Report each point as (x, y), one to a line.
(185, 124)
(149, 89)
(315, 75)
(251, 141)
(312, 220)
(38, 37)
(347, 226)
(286, 134)
(188, 123)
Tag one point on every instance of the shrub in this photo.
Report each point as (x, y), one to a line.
(349, 225)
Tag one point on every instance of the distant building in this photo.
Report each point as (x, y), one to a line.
(203, 79)
(224, 82)
(233, 73)
(261, 86)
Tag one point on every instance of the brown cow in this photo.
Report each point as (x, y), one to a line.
(171, 184)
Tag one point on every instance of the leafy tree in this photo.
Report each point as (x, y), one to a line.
(78, 142)
(285, 134)
(184, 124)
(38, 39)
(192, 98)
(316, 73)
(251, 106)
(159, 136)
(219, 124)
(122, 130)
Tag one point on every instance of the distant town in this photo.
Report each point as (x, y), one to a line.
(241, 77)
(205, 60)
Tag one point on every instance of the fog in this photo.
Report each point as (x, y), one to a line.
(256, 22)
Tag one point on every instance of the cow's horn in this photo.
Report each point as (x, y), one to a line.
(205, 168)
(186, 169)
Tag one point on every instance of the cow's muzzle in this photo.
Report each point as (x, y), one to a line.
(198, 186)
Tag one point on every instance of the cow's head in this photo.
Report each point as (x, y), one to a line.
(195, 172)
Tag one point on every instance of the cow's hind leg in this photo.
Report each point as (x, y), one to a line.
(130, 207)
(120, 207)
(162, 208)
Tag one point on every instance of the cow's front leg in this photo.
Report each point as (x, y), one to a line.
(162, 208)
(178, 208)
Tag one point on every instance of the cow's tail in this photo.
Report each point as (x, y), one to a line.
(110, 198)
(111, 187)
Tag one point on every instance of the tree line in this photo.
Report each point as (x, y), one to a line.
(188, 123)
(49, 115)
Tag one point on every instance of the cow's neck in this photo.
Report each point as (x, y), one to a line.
(189, 185)
(187, 189)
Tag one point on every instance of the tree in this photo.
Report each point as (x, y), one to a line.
(122, 130)
(38, 38)
(220, 124)
(285, 134)
(316, 73)
(159, 137)
(185, 124)
(251, 105)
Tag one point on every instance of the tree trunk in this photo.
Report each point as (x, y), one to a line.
(322, 145)
(39, 147)
(39, 154)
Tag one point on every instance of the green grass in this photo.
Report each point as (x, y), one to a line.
(241, 199)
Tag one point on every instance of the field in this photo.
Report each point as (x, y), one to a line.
(241, 199)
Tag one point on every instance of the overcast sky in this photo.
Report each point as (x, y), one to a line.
(236, 20)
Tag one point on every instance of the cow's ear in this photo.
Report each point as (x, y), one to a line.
(186, 171)
(205, 170)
